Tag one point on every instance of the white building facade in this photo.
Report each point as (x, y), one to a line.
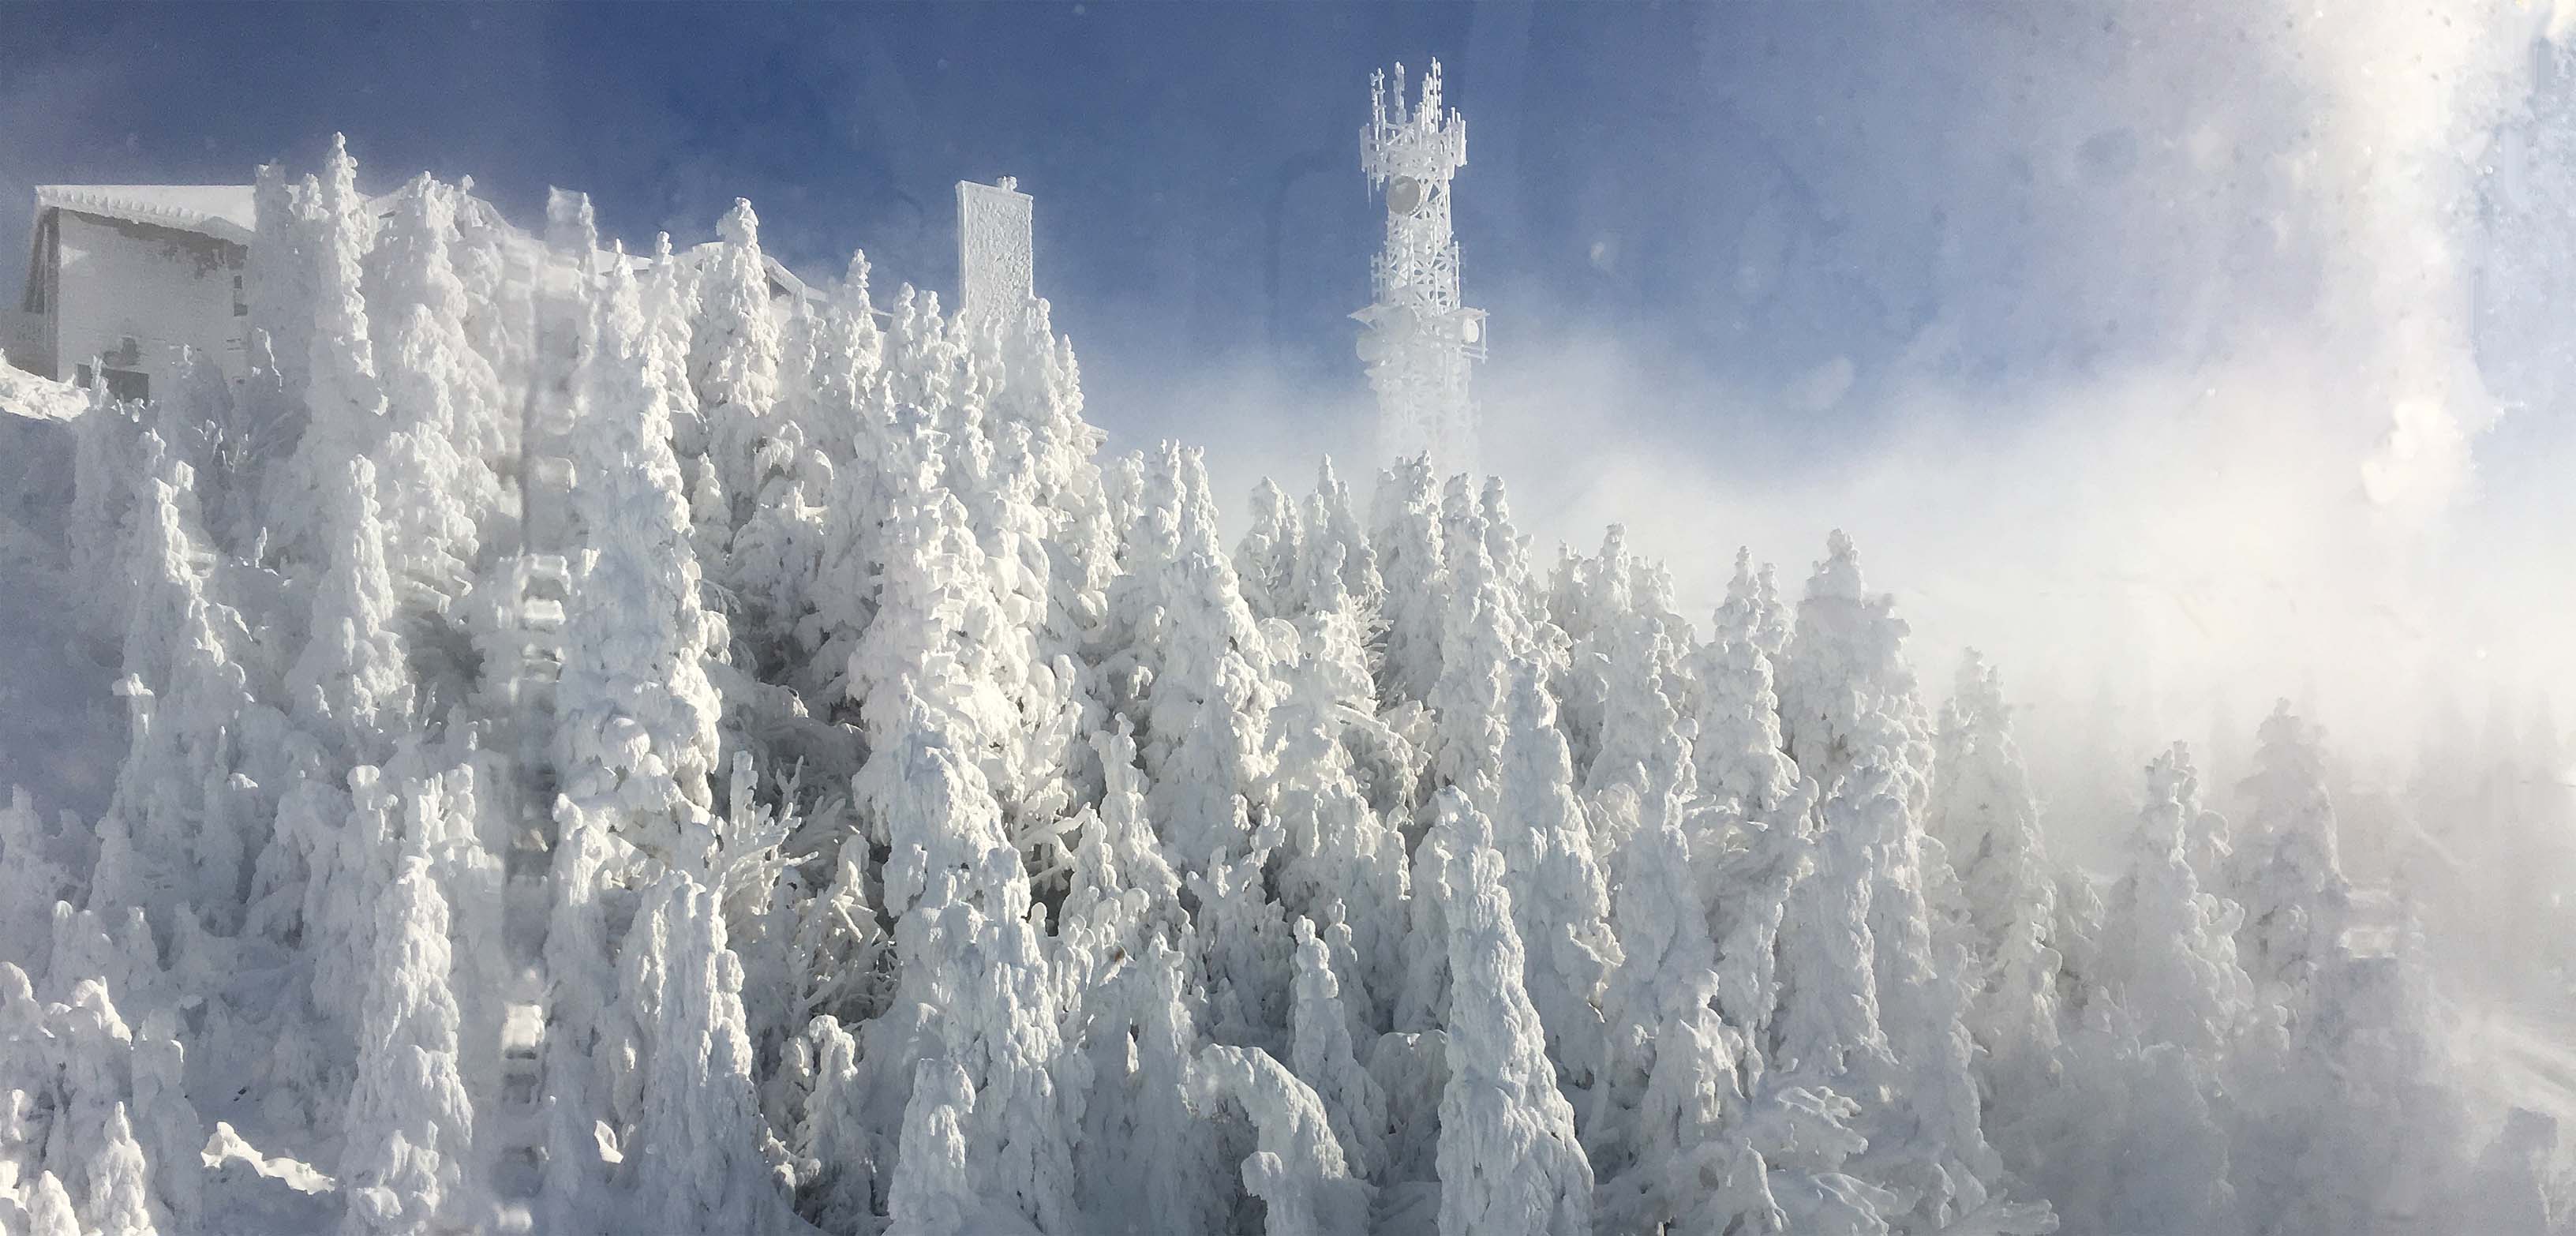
(121, 279)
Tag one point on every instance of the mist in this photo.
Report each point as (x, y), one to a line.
(2217, 381)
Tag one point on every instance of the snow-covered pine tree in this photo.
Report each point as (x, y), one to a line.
(442, 402)
(1404, 532)
(2154, 1048)
(733, 357)
(409, 1132)
(1209, 691)
(2287, 874)
(344, 400)
(975, 984)
(1560, 904)
(1986, 822)
(1321, 1054)
(635, 731)
(1930, 1136)
(186, 821)
(1267, 558)
(1342, 864)
(1670, 1142)
(1826, 1027)
(1336, 545)
(1845, 688)
(1298, 1171)
(700, 1158)
(1481, 634)
(2171, 956)
(934, 1190)
(1509, 1161)
(353, 682)
(1149, 1157)
(1737, 751)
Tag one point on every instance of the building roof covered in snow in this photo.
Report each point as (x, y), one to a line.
(222, 211)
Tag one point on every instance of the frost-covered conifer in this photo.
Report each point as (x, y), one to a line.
(117, 1201)
(699, 1162)
(2288, 875)
(409, 1131)
(1483, 632)
(934, 1192)
(1560, 906)
(1405, 533)
(635, 731)
(840, 1156)
(1150, 1157)
(1846, 688)
(1267, 559)
(1210, 692)
(975, 985)
(1671, 1140)
(582, 980)
(2365, 1121)
(2172, 960)
(1335, 545)
(343, 397)
(1984, 818)
(938, 629)
(1321, 1054)
(442, 399)
(1827, 1025)
(1737, 752)
(1747, 871)
(2130, 1141)
(733, 356)
(353, 681)
(32, 879)
(1122, 893)
(1509, 1162)
(1929, 1136)
(277, 290)
(1298, 1170)
(1642, 752)
(187, 818)
(1244, 942)
(2510, 1193)
(1343, 865)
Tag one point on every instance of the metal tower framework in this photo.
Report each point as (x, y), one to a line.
(1419, 340)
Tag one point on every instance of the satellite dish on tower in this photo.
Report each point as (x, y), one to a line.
(1405, 195)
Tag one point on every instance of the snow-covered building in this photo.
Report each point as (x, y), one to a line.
(120, 278)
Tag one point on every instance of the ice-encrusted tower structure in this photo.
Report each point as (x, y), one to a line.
(1418, 339)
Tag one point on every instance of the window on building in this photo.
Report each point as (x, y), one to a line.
(241, 305)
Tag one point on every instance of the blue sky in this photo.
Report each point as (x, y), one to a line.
(1749, 192)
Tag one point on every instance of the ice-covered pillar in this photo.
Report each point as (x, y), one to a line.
(1417, 338)
(996, 267)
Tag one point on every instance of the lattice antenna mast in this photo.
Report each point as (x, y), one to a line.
(1418, 339)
